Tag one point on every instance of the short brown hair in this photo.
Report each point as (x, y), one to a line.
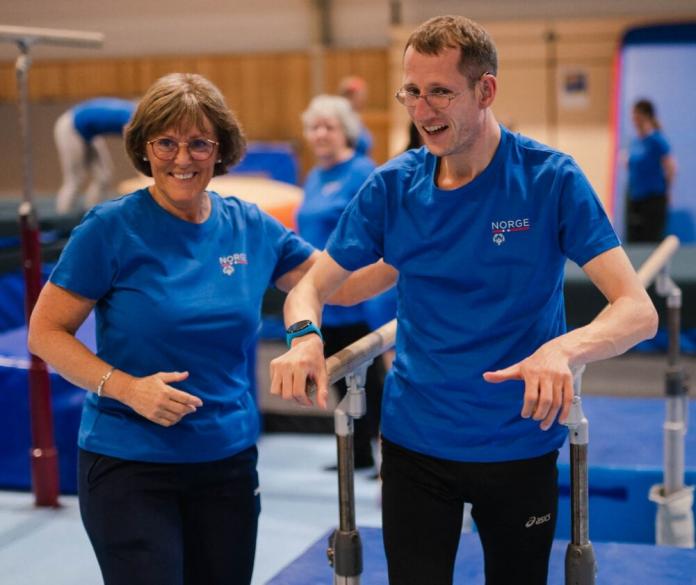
(478, 54)
(179, 100)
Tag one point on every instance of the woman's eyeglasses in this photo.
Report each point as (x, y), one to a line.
(199, 149)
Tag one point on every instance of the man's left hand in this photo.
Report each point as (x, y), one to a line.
(548, 384)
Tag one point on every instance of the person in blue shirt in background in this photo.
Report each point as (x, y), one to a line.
(331, 129)
(354, 89)
(176, 274)
(83, 151)
(651, 170)
(475, 228)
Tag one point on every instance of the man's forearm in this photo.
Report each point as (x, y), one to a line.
(302, 302)
(614, 331)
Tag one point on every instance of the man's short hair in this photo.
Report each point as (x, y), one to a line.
(478, 54)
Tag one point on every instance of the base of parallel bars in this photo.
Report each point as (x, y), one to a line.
(345, 556)
(674, 522)
(580, 564)
(44, 475)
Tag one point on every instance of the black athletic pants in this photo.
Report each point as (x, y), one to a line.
(513, 504)
(646, 219)
(171, 524)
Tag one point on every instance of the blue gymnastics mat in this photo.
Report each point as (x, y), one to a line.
(624, 461)
(618, 564)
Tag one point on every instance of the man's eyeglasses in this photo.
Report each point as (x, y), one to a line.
(438, 100)
(199, 149)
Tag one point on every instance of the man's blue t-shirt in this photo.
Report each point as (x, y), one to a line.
(326, 194)
(176, 296)
(102, 116)
(646, 176)
(480, 288)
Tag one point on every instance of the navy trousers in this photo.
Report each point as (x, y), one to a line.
(171, 524)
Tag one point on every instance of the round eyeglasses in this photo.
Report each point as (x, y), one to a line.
(436, 100)
(199, 149)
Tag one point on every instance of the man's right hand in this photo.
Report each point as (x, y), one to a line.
(291, 371)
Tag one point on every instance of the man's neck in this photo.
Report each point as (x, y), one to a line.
(456, 170)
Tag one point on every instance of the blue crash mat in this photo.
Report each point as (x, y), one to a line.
(618, 564)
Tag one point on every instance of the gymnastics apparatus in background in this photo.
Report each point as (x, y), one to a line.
(674, 522)
(44, 456)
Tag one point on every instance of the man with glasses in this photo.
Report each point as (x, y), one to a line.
(475, 227)
(80, 140)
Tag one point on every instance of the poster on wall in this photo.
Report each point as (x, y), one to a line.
(573, 88)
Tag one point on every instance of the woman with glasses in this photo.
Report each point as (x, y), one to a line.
(332, 129)
(168, 487)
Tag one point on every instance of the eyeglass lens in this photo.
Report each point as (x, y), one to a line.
(437, 101)
(167, 149)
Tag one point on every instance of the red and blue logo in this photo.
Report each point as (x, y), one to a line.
(506, 226)
(229, 262)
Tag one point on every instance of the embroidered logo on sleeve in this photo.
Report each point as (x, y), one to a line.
(504, 226)
(229, 262)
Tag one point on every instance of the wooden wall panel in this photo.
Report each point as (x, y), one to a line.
(370, 64)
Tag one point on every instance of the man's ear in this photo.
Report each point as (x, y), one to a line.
(488, 87)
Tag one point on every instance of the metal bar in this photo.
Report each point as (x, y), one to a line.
(50, 36)
(362, 351)
(44, 456)
(649, 270)
(580, 564)
(345, 547)
(579, 499)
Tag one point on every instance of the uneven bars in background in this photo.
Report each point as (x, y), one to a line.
(44, 456)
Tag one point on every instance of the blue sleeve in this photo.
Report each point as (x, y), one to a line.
(585, 230)
(289, 248)
(358, 239)
(662, 145)
(88, 264)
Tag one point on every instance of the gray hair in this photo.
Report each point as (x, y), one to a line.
(334, 106)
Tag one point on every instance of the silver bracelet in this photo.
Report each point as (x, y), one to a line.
(103, 381)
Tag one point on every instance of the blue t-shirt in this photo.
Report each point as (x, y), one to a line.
(480, 288)
(176, 296)
(364, 143)
(102, 116)
(326, 194)
(646, 176)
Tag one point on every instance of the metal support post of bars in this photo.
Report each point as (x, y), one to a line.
(674, 521)
(580, 564)
(345, 546)
(44, 456)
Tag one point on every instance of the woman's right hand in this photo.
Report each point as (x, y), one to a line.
(153, 398)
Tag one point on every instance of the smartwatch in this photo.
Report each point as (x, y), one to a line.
(299, 329)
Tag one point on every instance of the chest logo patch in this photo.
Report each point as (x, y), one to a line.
(227, 263)
(501, 227)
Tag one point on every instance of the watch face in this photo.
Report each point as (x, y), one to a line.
(299, 326)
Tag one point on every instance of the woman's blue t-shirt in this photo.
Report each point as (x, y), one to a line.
(326, 194)
(176, 296)
(646, 175)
